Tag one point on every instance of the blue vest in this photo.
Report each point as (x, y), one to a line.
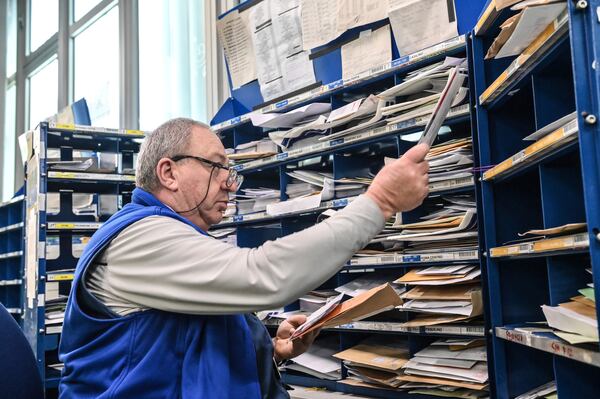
(151, 354)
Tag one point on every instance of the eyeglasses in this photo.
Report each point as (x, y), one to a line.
(232, 177)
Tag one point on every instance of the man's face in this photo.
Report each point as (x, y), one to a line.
(202, 183)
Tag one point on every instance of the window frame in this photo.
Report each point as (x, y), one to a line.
(60, 45)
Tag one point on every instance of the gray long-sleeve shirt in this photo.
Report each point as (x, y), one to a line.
(162, 263)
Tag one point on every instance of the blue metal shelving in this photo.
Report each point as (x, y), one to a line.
(555, 187)
(61, 225)
(11, 256)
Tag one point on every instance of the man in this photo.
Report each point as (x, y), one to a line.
(155, 308)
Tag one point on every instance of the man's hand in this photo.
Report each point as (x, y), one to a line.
(403, 184)
(283, 347)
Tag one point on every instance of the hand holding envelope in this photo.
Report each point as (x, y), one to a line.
(334, 313)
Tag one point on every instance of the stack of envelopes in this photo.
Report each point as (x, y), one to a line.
(518, 31)
(441, 233)
(335, 312)
(253, 150)
(354, 116)
(375, 362)
(450, 160)
(575, 321)
(318, 360)
(442, 294)
(255, 199)
(454, 367)
(419, 93)
(306, 182)
(450, 226)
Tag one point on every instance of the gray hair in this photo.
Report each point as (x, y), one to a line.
(169, 139)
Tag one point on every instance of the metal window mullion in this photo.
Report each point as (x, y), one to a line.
(129, 105)
(92, 16)
(21, 96)
(64, 98)
(41, 56)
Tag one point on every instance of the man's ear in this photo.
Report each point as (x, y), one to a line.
(166, 171)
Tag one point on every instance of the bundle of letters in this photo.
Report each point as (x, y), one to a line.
(255, 200)
(318, 360)
(575, 321)
(308, 182)
(455, 368)
(375, 362)
(520, 30)
(546, 391)
(252, 150)
(418, 94)
(442, 294)
(415, 97)
(449, 161)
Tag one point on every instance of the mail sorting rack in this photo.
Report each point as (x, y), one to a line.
(351, 156)
(76, 177)
(11, 256)
(549, 183)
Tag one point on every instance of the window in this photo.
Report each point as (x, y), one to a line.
(82, 7)
(172, 61)
(43, 22)
(97, 69)
(8, 146)
(43, 93)
(11, 38)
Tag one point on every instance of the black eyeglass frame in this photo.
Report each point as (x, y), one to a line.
(232, 177)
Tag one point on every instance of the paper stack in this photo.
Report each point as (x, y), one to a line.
(442, 294)
(419, 93)
(352, 186)
(356, 115)
(306, 182)
(438, 232)
(318, 360)
(367, 282)
(454, 367)
(253, 150)
(255, 199)
(84, 161)
(546, 391)
(375, 362)
(449, 161)
(335, 312)
(575, 321)
(518, 31)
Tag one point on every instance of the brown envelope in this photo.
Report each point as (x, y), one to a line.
(442, 381)
(444, 292)
(413, 276)
(376, 376)
(435, 319)
(376, 300)
(387, 358)
(507, 29)
(584, 301)
(580, 308)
